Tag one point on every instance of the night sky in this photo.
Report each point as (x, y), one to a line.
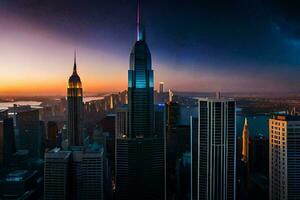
(228, 46)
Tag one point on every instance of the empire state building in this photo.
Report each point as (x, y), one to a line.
(75, 108)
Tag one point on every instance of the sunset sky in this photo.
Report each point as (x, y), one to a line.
(229, 46)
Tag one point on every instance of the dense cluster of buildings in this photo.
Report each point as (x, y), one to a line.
(143, 144)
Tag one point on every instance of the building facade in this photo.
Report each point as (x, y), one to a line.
(213, 150)
(56, 174)
(284, 157)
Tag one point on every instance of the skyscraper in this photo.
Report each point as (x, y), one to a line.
(213, 150)
(245, 142)
(74, 174)
(7, 138)
(75, 108)
(30, 132)
(52, 132)
(284, 157)
(161, 87)
(140, 154)
(56, 173)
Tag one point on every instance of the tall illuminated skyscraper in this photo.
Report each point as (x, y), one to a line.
(245, 142)
(140, 88)
(140, 152)
(75, 108)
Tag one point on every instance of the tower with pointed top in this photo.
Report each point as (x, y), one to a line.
(245, 142)
(140, 152)
(75, 108)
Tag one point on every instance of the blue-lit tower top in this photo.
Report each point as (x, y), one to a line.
(140, 87)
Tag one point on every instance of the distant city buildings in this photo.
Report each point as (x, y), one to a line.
(284, 157)
(213, 150)
(75, 109)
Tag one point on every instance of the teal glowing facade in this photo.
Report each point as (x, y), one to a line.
(140, 147)
(140, 90)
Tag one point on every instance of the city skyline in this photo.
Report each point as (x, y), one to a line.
(39, 38)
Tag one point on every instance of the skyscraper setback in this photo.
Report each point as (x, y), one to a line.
(75, 108)
(140, 154)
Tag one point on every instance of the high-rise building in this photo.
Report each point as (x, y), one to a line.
(245, 142)
(75, 109)
(161, 87)
(87, 173)
(284, 157)
(7, 138)
(56, 174)
(140, 153)
(30, 132)
(173, 114)
(213, 150)
(122, 121)
(52, 132)
(74, 174)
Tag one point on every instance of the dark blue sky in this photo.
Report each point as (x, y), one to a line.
(220, 45)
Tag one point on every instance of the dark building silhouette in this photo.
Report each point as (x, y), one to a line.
(140, 154)
(52, 133)
(173, 113)
(7, 138)
(31, 134)
(75, 108)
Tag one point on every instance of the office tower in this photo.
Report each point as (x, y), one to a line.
(259, 155)
(173, 114)
(122, 121)
(52, 132)
(75, 109)
(213, 150)
(56, 174)
(284, 157)
(30, 132)
(245, 142)
(140, 153)
(171, 94)
(161, 87)
(87, 173)
(7, 138)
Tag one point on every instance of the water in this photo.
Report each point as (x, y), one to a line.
(258, 124)
(5, 105)
(36, 104)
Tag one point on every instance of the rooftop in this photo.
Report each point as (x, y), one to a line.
(287, 117)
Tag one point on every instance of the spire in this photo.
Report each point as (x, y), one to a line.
(140, 33)
(75, 66)
(245, 142)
